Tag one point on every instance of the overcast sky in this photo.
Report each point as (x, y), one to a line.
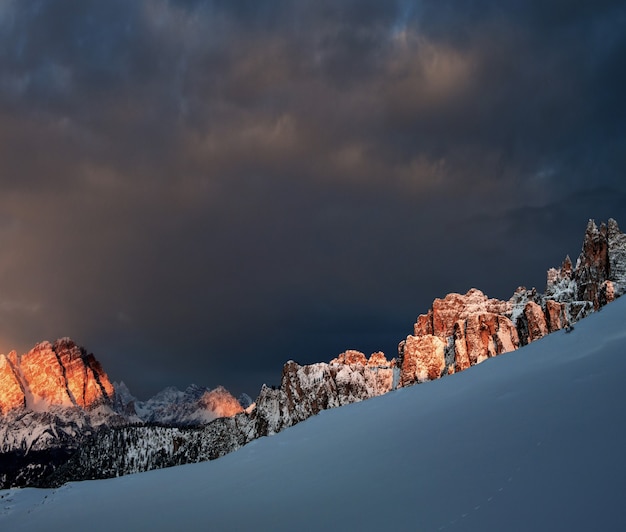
(198, 191)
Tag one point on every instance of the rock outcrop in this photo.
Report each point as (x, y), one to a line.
(482, 336)
(440, 319)
(307, 390)
(600, 272)
(457, 332)
(592, 267)
(423, 358)
(462, 330)
(616, 241)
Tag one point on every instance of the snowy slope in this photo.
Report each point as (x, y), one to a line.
(530, 440)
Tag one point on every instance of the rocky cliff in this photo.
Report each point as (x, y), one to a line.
(306, 390)
(460, 331)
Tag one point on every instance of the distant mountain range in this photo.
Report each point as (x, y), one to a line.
(62, 419)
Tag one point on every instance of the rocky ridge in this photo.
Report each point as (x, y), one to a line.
(458, 331)
(304, 391)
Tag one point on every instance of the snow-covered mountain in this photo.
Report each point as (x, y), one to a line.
(304, 392)
(56, 397)
(197, 424)
(532, 440)
(194, 406)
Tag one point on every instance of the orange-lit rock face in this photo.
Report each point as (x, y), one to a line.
(350, 357)
(446, 312)
(482, 336)
(86, 382)
(461, 356)
(53, 374)
(423, 359)
(474, 326)
(555, 315)
(11, 394)
(221, 402)
(378, 360)
(44, 376)
(537, 326)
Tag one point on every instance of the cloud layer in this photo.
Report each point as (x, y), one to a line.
(199, 191)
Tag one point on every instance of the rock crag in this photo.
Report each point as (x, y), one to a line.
(460, 331)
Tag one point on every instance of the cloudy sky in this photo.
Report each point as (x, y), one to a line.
(198, 191)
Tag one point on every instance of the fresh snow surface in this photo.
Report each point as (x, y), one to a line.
(530, 440)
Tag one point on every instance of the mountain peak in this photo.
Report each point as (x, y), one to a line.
(53, 374)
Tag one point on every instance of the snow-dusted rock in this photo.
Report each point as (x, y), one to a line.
(194, 406)
(617, 257)
(560, 284)
(307, 390)
(592, 266)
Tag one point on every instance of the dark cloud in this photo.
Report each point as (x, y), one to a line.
(200, 190)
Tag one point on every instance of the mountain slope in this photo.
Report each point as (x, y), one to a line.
(457, 332)
(531, 440)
